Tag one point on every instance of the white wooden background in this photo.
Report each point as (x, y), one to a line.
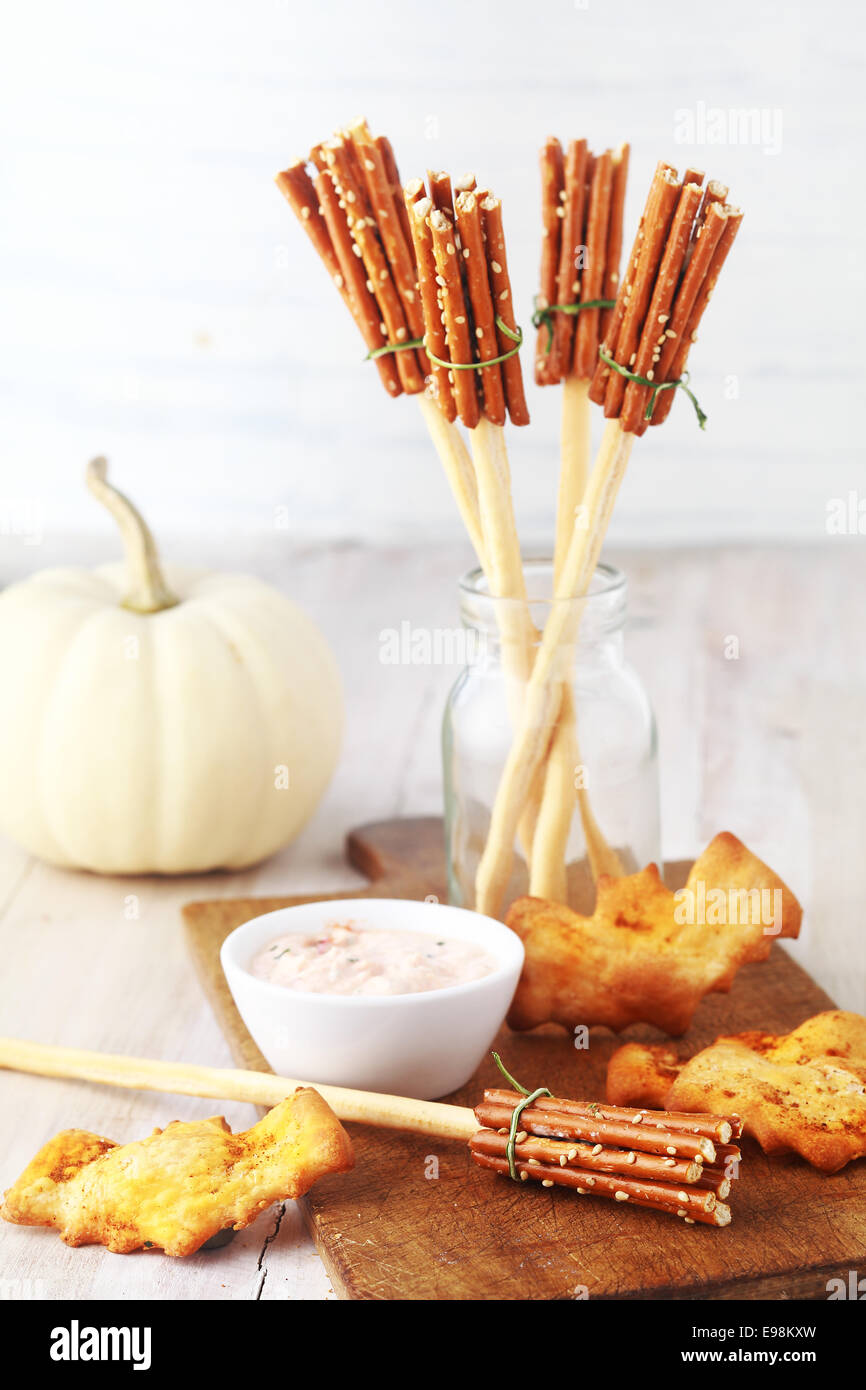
(159, 303)
(771, 746)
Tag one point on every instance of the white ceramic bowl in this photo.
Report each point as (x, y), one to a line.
(422, 1045)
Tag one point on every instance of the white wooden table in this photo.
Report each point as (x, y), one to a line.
(771, 745)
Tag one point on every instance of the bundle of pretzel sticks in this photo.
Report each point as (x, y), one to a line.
(424, 272)
(680, 1164)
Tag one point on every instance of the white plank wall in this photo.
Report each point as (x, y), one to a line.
(770, 746)
(159, 303)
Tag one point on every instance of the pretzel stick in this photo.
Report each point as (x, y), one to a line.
(553, 1123)
(687, 337)
(572, 258)
(456, 315)
(367, 314)
(483, 313)
(715, 192)
(714, 1179)
(465, 184)
(304, 199)
(439, 183)
(691, 1205)
(257, 1087)
(664, 173)
(366, 239)
(591, 1158)
(386, 151)
(614, 234)
(397, 248)
(500, 284)
(660, 210)
(719, 1128)
(653, 333)
(542, 697)
(552, 188)
(592, 282)
(419, 208)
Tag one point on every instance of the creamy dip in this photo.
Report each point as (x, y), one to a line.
(347, 959)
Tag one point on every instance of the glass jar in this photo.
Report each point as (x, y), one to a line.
(616, 762)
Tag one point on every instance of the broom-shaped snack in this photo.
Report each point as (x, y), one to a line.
(472, 339)
(680, 1164)
(583, 198)
(351, 207)
(672, 271)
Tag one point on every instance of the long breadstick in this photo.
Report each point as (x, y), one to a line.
(257, 1087)
(457, 464)
(543, 696)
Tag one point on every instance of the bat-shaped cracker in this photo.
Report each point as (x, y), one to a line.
(181, 1185)
(803, 1091)
(648, 955)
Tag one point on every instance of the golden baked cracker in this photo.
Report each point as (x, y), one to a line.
(801, 1092)
(182, 1184)
(648, 955)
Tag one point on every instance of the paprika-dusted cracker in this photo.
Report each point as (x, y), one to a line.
(802, 1092)
(639, 959)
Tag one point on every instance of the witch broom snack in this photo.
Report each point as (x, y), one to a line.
(351, 207)
(673, 268)
(670, 1162)
(583, 198)
(675, 1163)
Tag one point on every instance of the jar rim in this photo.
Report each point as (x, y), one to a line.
(607, 581)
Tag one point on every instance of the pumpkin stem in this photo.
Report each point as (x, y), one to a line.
(148, 591)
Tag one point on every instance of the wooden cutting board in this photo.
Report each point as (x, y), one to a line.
(417, 1220)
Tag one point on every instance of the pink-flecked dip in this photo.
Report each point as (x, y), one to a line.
(349, 959)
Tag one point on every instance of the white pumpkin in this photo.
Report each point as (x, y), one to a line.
(159, 725)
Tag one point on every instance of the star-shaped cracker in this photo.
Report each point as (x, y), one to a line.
(803, 1091)
(648, 955)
